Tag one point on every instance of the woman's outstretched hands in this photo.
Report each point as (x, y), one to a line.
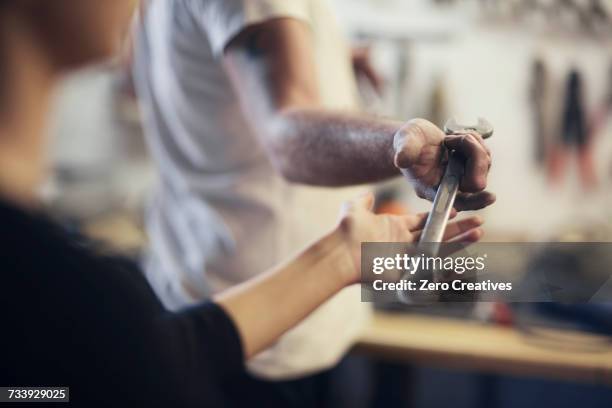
(359, 224)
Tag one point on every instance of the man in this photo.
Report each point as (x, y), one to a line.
(246, 103)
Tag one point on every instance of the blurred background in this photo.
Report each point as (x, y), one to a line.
(532, 68)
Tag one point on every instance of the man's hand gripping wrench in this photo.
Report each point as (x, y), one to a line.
(433, 233)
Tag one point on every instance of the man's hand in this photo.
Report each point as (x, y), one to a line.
(362, 65)
(421, 154)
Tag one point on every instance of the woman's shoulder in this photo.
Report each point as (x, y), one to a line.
(29, 238)
(39, 254)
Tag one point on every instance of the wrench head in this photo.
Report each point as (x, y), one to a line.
(483, 127)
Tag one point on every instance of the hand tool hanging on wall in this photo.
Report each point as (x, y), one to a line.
(599, 120)
(437, 102)
(574, 136)
(599, 10)
(573, 128)
(538, 97)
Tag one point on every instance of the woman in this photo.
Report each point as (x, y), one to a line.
(72, 318)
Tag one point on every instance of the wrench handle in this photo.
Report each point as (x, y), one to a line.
(433, 233)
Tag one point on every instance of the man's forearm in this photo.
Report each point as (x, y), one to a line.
(272, 68)
(331, 148)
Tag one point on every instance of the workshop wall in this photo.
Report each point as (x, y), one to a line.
(488, 74)
(483, 67)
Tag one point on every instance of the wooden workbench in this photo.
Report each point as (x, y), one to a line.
(467, 345)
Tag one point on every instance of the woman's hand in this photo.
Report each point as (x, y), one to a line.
(359, 224)
(321, 270)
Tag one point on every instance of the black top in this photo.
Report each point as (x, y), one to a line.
(72, 318)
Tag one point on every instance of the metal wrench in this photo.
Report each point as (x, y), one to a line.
(433, 233)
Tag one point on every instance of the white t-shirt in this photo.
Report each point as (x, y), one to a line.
(221, 214)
